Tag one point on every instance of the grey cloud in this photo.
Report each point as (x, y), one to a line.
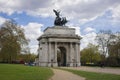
(73, 8)
(34, 4)
(90, 9)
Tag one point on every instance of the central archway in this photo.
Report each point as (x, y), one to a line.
(61, 56)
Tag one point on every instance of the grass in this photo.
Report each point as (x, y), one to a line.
(94, 75)
(21, 72)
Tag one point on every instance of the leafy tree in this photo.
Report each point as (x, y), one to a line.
(114, 51)
(109, 44)
(27, 57)
(104, 38)
(90, 54)
(12, 39)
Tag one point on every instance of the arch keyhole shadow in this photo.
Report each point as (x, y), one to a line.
(61, 56)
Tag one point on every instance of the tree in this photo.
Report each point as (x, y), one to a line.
(109, 44)
(104, 38)
(12, 39)
(27, 57)
(90, 54)
(114, 51)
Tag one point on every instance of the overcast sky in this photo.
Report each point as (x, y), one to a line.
(87, 16)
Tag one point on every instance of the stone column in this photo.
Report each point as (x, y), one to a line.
(71, 63)
(39, 52)
(79, 54)
(55, 55)
(49, 54)
(76, 60)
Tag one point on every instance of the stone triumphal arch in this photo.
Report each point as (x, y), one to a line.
(59, 46)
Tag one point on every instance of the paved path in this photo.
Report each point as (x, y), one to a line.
(97, 69)
(64, 75)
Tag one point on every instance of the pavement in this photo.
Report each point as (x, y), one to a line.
(97, 69)
(64, 75)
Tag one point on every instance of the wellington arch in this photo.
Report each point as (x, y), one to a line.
(59, 46)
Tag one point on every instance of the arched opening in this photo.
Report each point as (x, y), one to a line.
(61, 56)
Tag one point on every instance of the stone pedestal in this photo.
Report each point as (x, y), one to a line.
(59, 46)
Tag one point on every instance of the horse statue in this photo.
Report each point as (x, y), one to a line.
(58, 20)
(64, 21)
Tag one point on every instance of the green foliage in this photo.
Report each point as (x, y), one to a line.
(27, 57)
(114, 53)
(114, 47)
(109, 44)
(103, 38)
(12, 39)
(90, 54)
(94, 75)
(20, 72)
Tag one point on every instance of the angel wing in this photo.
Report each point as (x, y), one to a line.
(57, 13)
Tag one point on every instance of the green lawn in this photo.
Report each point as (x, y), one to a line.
(94, 75)
(21, 72)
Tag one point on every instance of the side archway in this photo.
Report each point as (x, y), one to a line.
(61, 56)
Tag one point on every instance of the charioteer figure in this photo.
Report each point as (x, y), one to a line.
(58, 20)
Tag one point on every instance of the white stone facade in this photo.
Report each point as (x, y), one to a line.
(59, 46)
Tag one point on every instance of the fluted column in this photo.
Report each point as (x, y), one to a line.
(79, 54)
(49, 52)
(70, 52)
(55, 55)
(76, 61)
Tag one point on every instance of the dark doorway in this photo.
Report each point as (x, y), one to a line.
(61, 56)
